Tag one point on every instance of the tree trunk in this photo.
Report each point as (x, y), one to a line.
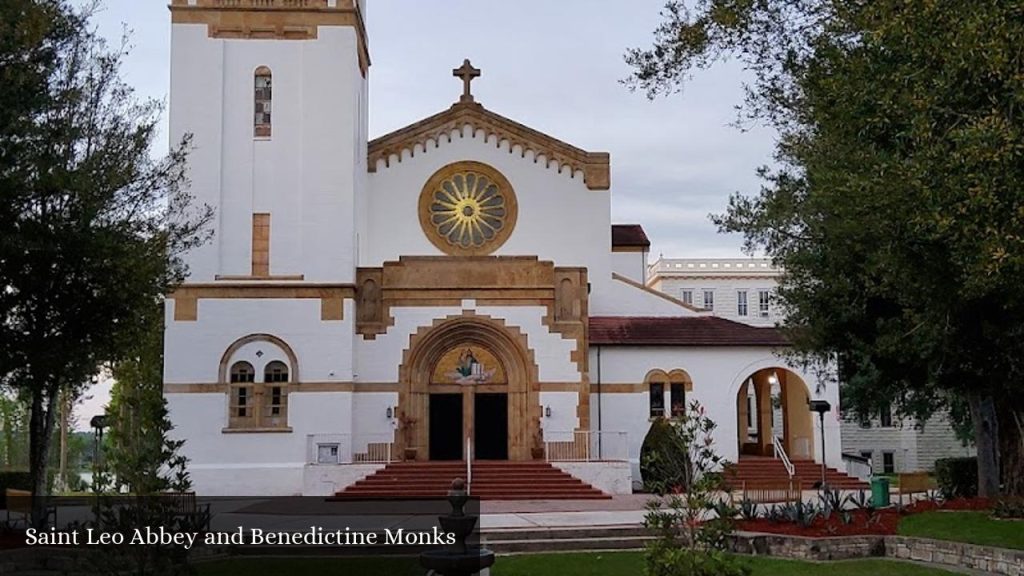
(1011, 439)
(40, 432)
(986, 438)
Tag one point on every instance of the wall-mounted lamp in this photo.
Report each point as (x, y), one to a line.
(774, 378)
(547, 412)
(390, 413)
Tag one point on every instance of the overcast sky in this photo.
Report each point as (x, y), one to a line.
(556, 66)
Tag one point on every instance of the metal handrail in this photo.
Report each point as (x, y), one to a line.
(780, 452)
(469, 464)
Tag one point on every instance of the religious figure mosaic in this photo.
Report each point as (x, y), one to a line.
(468, 365)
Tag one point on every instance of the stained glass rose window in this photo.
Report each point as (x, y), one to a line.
(467, 208)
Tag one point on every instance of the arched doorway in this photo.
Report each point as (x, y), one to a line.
(773, 402)
(469, 377)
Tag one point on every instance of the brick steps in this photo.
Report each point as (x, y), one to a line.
(497, 480)
(807, 472)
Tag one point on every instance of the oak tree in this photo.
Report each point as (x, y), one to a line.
(896, 205)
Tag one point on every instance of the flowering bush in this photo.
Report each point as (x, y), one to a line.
(692, 518)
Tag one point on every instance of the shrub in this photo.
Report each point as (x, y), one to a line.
(17, 480)
(664, 459)
(957, 477)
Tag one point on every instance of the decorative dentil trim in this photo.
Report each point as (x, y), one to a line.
(596, 166)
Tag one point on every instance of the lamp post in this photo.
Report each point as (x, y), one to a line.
(98, 423)
(821, 407)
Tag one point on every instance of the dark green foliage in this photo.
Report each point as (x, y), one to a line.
(664, 461)
(957, 477)
(141, 455)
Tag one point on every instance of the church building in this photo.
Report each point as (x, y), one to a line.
(454, 290)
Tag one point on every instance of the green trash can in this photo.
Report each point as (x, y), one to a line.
(880, 492)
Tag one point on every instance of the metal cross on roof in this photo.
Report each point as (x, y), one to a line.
(467, 73)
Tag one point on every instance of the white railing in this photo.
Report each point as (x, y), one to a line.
(780, 452)
(586, 446)
(327, 449)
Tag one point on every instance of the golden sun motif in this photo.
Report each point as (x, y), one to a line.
(470, 208)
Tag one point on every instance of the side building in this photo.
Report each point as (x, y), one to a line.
(743, 290)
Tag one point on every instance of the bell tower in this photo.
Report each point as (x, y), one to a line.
(273, 94)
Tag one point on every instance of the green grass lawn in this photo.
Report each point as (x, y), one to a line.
(970, 527)
(595, 564)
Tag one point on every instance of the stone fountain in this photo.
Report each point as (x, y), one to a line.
(457, 559)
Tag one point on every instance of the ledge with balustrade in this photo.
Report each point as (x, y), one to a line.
(734, 267)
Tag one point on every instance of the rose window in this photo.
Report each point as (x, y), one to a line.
(469, 209)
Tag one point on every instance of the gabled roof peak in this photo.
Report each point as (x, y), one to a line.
(595, 166)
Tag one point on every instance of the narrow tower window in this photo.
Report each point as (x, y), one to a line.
(264, 95)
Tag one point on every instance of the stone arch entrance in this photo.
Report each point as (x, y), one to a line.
(420, 385)
(774, 402)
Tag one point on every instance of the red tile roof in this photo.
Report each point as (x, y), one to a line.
(679, 331)
(629, 235)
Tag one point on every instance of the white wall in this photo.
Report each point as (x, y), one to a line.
(306, 175)
(632, 265)
(563, 420)
(237, 464)
(194, 349)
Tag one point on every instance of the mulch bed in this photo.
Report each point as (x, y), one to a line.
(12, 539)
(882, 523)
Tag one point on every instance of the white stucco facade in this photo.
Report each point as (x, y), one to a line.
(327, 261)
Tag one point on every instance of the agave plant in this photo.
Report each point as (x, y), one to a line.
(832, 501)
(863, 502)
(748, 509)
(802, 514)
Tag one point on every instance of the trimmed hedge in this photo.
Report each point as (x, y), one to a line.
(957, 477)
(17, 480)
